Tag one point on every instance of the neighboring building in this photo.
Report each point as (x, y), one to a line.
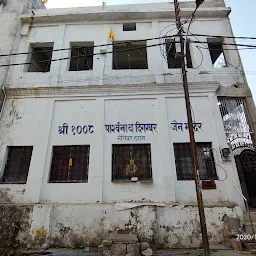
(97, 141)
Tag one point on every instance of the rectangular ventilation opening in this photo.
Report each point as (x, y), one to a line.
(173, 58)
(130, 55)
(129, 27)
(70, 164)
(81, 56)
(17, 165)
(40, 58)
(218, 57)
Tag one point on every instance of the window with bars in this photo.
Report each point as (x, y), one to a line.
(17, 165)
(235, 120)
(131, 160)
(130, 55)
(183, 161)
(40, 58)
(173, 59)
(81, 56)
(70, 164)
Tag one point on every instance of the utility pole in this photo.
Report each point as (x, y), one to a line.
(191, 135)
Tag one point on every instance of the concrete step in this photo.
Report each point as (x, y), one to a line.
(253, 215)
(124, 238)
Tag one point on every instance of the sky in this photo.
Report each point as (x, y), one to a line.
(242, 20)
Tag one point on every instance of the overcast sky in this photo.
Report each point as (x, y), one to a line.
(242, 19)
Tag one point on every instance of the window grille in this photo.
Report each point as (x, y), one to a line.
(69, 164)
(81, 56)
(17, 165)
(173, 59)
(184, 166)
(131, 160)
(40, 59)
(130, 55)
(235, 120)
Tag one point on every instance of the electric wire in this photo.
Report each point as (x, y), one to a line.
(80, 47)
(130, 41)
(242, 72)
(90, 55)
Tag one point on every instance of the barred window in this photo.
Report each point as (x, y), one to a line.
(81, 56)
(183, 160)
(131, 160)
(17, 165)
(69, 164)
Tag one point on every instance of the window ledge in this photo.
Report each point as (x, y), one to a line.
(9, 183)
(129, 181)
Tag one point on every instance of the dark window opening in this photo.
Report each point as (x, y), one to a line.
(69, 164)
(130, 55)
(217, 54)
(40, 60)
(81, 56)
(183, 160)
(131, 160)
(1, 99)
(129, 27)
(17, 165)
(173, 58)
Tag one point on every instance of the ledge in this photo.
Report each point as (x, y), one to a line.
(115, 13)
(110, 90)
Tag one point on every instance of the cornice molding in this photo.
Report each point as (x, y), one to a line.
(109, 90)
(75, 15)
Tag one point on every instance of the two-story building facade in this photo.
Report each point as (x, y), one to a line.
(94, 135)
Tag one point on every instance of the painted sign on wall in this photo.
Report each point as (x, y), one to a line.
(137, 127)
(176, 126)
(85, 129)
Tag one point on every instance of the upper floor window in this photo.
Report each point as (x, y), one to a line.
(17, 165)
(183, 160)
(218, 57)
(40, 57)
(81, 56)
(173, 58)
(69, 164)
(131, 161)
(129, 27)
(130, 55)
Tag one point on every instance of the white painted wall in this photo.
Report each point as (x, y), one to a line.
(63, 33)
(35, 122)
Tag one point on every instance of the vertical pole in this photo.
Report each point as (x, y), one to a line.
(192, 136)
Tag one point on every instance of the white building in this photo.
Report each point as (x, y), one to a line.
(96, 141)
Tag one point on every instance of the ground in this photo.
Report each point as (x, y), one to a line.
(218, 253)
(70, 252)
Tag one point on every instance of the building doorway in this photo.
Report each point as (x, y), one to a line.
(246, 167)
